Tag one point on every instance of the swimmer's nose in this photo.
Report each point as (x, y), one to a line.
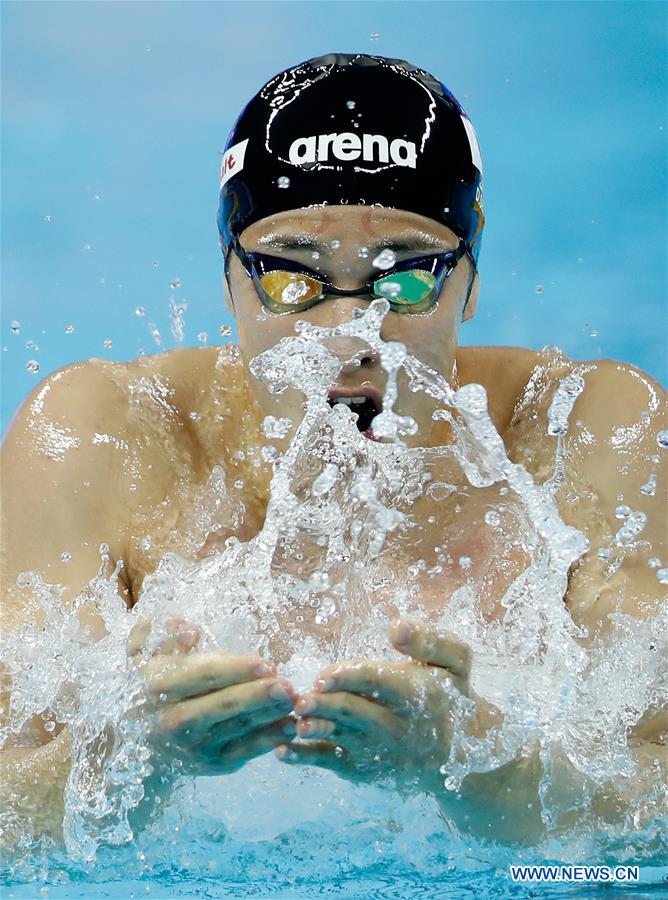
(354, 353)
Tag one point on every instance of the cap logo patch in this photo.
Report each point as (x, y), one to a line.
(233, 161)
(348, 147)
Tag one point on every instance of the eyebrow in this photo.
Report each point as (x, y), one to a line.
(397, 244)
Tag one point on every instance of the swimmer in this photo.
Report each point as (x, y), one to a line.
(345, 178)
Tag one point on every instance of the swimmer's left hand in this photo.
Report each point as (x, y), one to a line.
(368, 720)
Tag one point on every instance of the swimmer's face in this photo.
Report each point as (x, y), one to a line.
(328, 240)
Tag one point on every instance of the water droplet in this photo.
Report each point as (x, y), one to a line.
(492, 518)
(49, 726)
(97, 197)
(140, 311)
(374, 36)
(225, 330)
(69, 329)
(283, 181)
(662, 575)
(338, 752)
(15, 327)
(335, 245)
(274, 428)
(315, 255)
(269, 453)
(48, 218)
(654, 562)
(649, 487)
(32, 366)
(465, 562)
(156, 264)
(363, 252)
(539, 288)
(604, 553)
(107, 344)
(450, 784)
(202, 337)
(350, 104)
(385, 259)
(390, 288)
(593, 334)
(65, 556)
(662, 438)
(292, 293)
(31, 345)
(622, 512)
(87, 247)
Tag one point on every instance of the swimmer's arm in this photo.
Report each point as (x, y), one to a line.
(61, 494)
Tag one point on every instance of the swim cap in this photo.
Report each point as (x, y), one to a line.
(353, 129)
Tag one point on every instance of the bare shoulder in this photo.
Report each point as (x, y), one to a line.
(503, 371)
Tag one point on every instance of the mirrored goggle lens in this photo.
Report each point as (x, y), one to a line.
(406, 288)
(290, 288)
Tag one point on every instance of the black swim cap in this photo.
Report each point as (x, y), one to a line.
(353, 129)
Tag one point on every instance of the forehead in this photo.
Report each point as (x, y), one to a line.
(358, 222)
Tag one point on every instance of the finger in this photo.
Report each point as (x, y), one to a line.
(324, 754)
(138, 635)
(387, 683)
(249, 721)
(181, 636)
(197, 673)
(431, 646)
(349, 709)
(202, 713)
(257, 743)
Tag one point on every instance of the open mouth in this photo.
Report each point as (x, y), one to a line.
(366, 403)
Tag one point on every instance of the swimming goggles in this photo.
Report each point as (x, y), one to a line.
(411, 286)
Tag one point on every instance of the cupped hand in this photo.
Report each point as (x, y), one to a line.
(213, 712)
(369, 720)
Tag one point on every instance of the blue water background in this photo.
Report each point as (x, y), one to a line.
(113, 116)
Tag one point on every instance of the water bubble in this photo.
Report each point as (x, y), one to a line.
(654, 562)
(604, 553)
(363, 252)
(31, 345)
(69, 329)
(385, 259)
(335, 245)
(662, 438)
(65, 556)
(48, 218)
(662, 575)
(350, 104)
(107, 343)
(539, 288)
(465, 562)
(450, 784)
(96, 197)
(146, 543)
(225, 330)
(87, 247)
(49, 726)
(634, 524)
(374, 36)
(202, 337)
(175, 284)
(292, 293)
(338, 752)
(283, 182)
(315, 255)
(274, 428)
(593, 334)
(32, 366)
(390, 288)
(622, 512)
(492, 518)
(269, 453)
(15, 327)
(156, 264)
(155, 334)
(140, 311)
(649, 487)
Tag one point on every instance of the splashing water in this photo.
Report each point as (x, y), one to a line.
(337, 503)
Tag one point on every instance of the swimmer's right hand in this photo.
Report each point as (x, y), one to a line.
(214, 711)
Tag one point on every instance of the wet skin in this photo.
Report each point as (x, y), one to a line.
(215, 711)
